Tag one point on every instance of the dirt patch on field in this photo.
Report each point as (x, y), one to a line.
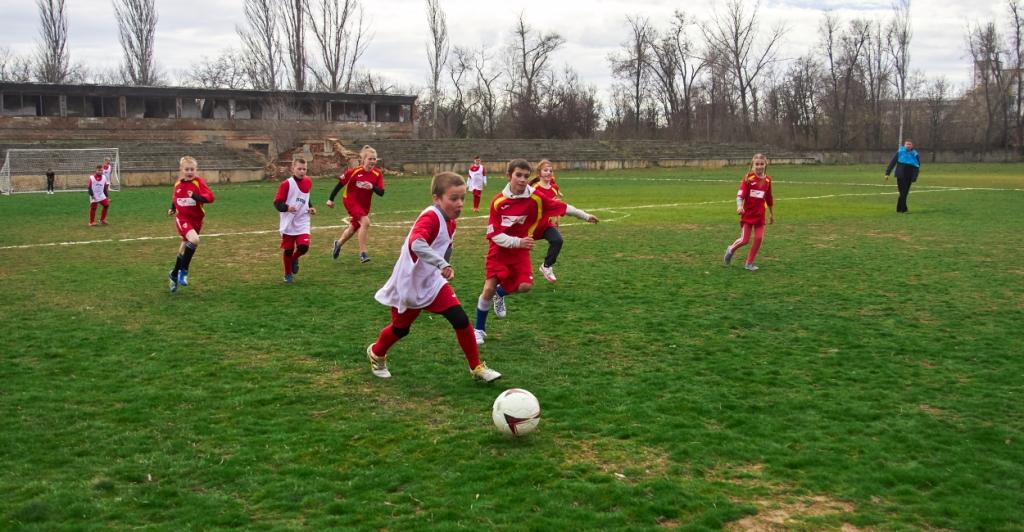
(625, 460)
(791, 514)
(897, 236)
(781, 510)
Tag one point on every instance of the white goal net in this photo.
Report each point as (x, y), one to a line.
(25, 170)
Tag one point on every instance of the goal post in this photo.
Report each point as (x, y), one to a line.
(24, 170)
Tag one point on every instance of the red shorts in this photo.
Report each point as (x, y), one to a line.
(105, 202)
(356, 213)
(290, 241)
(445, 300)
(511, 267)
(185, 225)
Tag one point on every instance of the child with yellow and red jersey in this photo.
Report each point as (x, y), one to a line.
(360, 184)
(190, 193)
(420, 278)
(544, 185)
(292, 202)
(515, 214)
(754, 194)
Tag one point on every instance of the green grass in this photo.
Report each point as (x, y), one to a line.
(868, 375)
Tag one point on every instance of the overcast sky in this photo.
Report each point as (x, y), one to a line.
(191, 29)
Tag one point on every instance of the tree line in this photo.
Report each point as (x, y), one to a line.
(718, 79)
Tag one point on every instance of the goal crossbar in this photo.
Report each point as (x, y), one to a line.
(24, 170)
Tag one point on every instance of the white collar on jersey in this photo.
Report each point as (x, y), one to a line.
(507, 192)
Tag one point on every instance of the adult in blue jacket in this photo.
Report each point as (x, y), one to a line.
(907, 164)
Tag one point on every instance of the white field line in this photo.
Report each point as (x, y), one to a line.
(407, 224)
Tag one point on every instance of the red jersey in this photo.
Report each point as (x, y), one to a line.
(184, 203)
(519, 217)
(359, 185)
(427, 227)
(756, 192)
(548, 193)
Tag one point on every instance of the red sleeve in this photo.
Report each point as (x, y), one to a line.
(494, 226)
(426, 227)
(744, 191)
(343, 178)
(380, 178)
(282, 191)
(204, 190)
(553, 207)
(768, 195)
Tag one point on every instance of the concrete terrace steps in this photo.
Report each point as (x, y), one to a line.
(158, 156)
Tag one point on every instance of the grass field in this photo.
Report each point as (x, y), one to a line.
(869, 376)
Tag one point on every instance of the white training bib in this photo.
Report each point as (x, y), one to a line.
(416, 284)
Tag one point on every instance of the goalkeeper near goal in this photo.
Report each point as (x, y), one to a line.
(190, 193)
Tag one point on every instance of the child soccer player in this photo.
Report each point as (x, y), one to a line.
(360, 184)
(49, 180)
(106, 168)
(514, 215)
(99, 188)
(190, 193)
(420, 278)
(544, 185)
(477, 181)
(755, 192)
(292, 201)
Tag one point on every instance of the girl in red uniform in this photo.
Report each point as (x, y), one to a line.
(360, 183)
(420, 278)
(544, 185)
(754, 194)
(190, 193)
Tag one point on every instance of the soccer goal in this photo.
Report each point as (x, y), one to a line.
(24, 170)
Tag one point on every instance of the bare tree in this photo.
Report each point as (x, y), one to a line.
(985, 47)
(843, 51)
(52, 57)
(733, 35)
(229, 70)
(366, 82)
(634, 63)
(675, 73)
(876, 71)
(14, 68)
(800, 97)
(530, 53)
(937, 99)
(1017, 56)
(293, 14)
(486, 89)
(136, 21)
(898, 40)
(340, 38)
(437, 53)
(261, 45)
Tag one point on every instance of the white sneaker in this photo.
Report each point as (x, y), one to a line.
(480, 335)
(728, 256)
(751, 267)
(499, 306)
(484, 373)
(548, 272)
(378, 365)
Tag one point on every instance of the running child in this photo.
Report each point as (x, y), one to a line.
(754, 194)
(360, 183)
(99, 190)
(420, 278)
(189, 195)
(477, 181)
(514, 215)
(292, 201)
(544, 185)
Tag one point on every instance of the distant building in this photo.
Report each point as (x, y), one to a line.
(37, 112)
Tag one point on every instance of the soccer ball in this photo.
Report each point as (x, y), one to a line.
(516, 412)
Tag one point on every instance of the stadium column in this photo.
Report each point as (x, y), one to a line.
(63, 104)
(177, 107)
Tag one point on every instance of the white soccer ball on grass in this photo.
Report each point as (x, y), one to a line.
(516, 412)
